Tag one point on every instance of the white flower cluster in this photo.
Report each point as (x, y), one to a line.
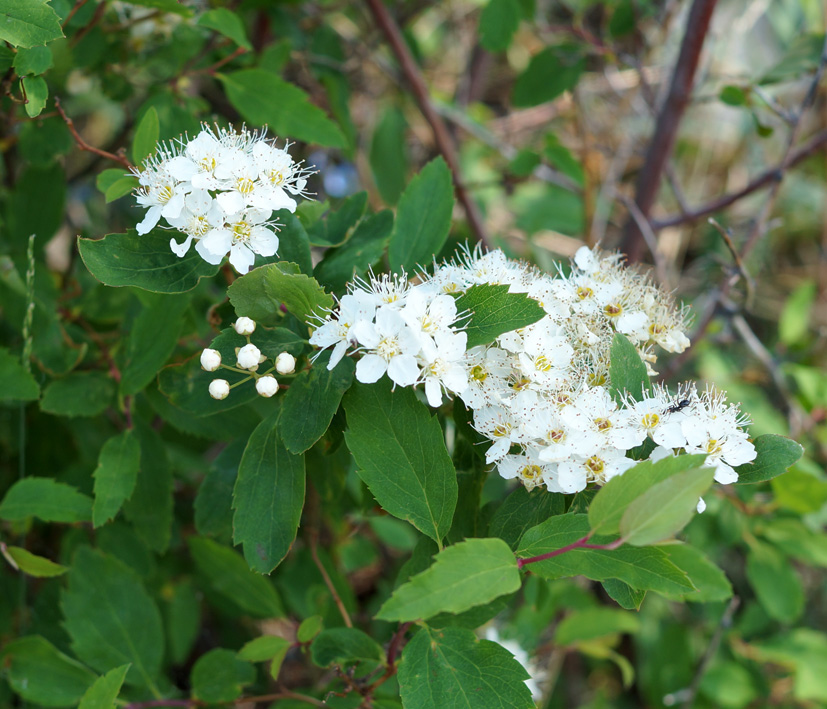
(248, 359)
(540, 394)
(220, 189)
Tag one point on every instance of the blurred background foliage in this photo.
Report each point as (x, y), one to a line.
(550, 107)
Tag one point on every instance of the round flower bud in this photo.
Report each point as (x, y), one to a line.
(285, 363)
(267, 385)
(219, 388)
(210, 360)
(249, 357)
(244, 326)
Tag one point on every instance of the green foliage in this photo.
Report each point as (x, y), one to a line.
(550, 73)
(47, 500)
(16, 384)
(115, 476)
(219, 676)
(494, 311)
(345, 646)
(103, 693)
(227, 23)
(31, 564)
(146, 137)
(28, 23)
(627, 372)
(774, 455)
(498, 23)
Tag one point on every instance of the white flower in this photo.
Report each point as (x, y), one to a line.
(441, 366)
(249, 357)
(573, 475)
(353, 309)
(219, 388)
(530, 470)
(210, 360)
(243, 235)
(285, 363)
(244, 326)
(159, 191)
(391, 347)
(201, 214)
(267, 385)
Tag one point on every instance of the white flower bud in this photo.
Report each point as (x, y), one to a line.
(249, 357)
(267, 386)
(285, 363)
(244, 326)
(210, 360)
(219, 388)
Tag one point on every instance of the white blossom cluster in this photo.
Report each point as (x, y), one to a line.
(220, 190)
(540, 394)
(248, 360)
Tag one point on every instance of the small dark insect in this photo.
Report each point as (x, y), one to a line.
(677, 406)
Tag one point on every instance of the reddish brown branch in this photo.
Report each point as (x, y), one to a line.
(666, 128)
(83, 145)
(328, 581)
(582, 543)
(284, 694)
(444, 142)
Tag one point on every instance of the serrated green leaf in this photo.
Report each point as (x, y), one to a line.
(47, 500)
(452, 669)
(336, 227)
(144, 261)
(591, 623)
(615, 496)
(423, 218)
(268, 498)
(31, 564)
(345, 646)
(264, 648)
(522, 510)
(37, 671)
(464, 575)
(774, 455)
(32, 61)
(220, 676)
(28, 23)
(16, 384)
(78, 394)
(498, 23)
(263, 98)
(313, 398)
(115, 476)
(227, 23)
(627, 371)
(103, 693)
(309, 628)
(495, 311)
(37, 93)
(260, 293)
(550, 73)
(775, 582)
(147, 133)
(111, 619)
(665, 508)
(388, 156)
(401, 456)
(230, 576)
(711, 583)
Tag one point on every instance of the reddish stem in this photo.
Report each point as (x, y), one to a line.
(579, 544)
(83, 145)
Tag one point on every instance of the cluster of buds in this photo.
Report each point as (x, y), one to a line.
(248, 360)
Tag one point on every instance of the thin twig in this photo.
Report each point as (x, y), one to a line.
(443, 139)
(582, 543)
(83, 145)
(648, 236)
(749, 281)
(666, 128)
(284, 694)
(79, 4)
(393, 650)
(328, 581)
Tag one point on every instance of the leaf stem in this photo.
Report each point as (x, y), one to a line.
(83, 145)
(328, 581)
(582, 543)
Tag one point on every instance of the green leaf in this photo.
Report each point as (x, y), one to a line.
(227, 23)
(733, 96)
(794, 321)
(711, 583)
(522, 510)
(144, 261)
(16, 384)
(623, 594)
(78, 394)
(802, 651)
(364, 248)
(103, 693)
(451, 669)
(229, 575)
(336, 227)
(182, 619)
(152, 339)
(111, 619)
(612, 500)
(627, 371)
(263, 98)
(213, 502)
(32, 61)
(665, 508)
(309, 628)
(774, 455)
(345, 646)
(549, 74)
(423, 218)
(388, 157)
(149, 509)
(268, 498)
(464, 575)
(801, 491)
(47, 500)
(37, 93)
(37, 671)
(28, 23)
(260, 293)
(591, 623)
(495, 311)
(294, 243)
(147, 133)
(31, 564)
(219, 676)
(498, 23)
(313, 398)
(115, 476)
(115, 183)
(775, 582)
(646, 568)
(264, 648)
(401, 456)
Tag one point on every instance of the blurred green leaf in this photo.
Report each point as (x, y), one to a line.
(37, 93)
(345, 646)
(498, 23)
(775, 582)
(309, 628)
(45, 499)
(31, 564)
(338, 225)
(388, 156)
(794, 322)
(16, 384)
(550, 72)
(115, 476)
(592, 623)
(147, 132)
(710, 582)
(227, 23)
(804, 652)
(219, 676)
(78, 394)
(800, 491)
(264, 648)
(733, 96)
(523, 509)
